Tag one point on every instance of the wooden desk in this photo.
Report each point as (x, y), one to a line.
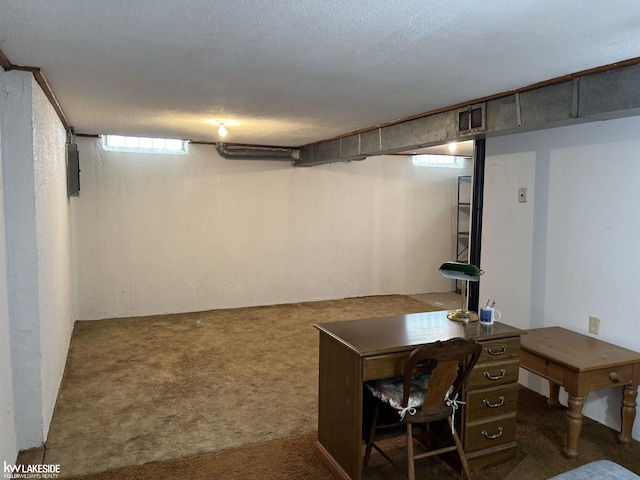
(356, 351)
(582, 364)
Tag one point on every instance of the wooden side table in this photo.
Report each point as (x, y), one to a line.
(582, 364)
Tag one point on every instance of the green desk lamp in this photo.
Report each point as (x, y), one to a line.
(467, 273)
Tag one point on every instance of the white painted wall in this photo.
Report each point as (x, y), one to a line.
(37, 252)
(22, 258)
(53, 231)
(162, 234)
(8, 438)
(571, 251)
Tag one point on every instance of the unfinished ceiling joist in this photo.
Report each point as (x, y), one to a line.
(603, 95)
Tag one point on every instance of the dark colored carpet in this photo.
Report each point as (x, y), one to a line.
(540, 435)
(152, 389)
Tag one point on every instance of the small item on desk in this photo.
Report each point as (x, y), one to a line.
(488, 314)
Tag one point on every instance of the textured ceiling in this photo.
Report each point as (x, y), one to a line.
(293, 72)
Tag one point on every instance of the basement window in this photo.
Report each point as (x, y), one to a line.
(429, 160)
(119, 143)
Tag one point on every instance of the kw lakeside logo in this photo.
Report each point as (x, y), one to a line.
(31, 471)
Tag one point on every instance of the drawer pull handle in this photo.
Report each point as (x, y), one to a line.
(493, 437)
(497, 352)
(614, 377)
(503, 372)
(494, 405)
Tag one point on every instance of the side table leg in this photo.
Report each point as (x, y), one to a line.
(574, 425)
(628, 412)
(554, 391)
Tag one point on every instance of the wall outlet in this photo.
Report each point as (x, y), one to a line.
(594, 325)
(522, 195)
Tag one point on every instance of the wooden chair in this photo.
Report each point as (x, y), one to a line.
(428, 391)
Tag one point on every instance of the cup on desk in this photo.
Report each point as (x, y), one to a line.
(488, 315)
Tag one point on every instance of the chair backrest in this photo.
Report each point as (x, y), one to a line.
(450, 363)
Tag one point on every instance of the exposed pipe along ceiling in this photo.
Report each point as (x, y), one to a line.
(241, 152)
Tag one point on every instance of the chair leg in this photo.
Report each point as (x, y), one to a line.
(463, 457)
(372, 435)
(411, 469)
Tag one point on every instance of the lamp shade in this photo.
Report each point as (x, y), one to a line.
(460, 271)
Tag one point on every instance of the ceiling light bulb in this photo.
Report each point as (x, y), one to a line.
(453, 147)
(222, 131)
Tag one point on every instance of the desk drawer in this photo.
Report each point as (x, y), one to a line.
(487, 375)
(485, 404)
(500, 350)
(490, 434)
(384, 366)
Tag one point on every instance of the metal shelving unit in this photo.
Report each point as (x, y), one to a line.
(463, 221)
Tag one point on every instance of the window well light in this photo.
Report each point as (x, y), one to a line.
(430, 160)
(222, 131)
(120, 143)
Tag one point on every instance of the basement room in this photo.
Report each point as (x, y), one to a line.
(227, 228)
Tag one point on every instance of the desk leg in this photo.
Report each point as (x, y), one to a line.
(339, 442)
(554, 391)
(628, 413)
(574, 425)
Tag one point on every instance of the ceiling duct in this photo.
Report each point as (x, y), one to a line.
(243, 152)
(597, 96)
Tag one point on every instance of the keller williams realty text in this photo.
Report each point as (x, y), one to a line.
(31, 471)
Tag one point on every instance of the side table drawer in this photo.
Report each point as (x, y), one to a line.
(484, 404)
(610, 377)
(490, 434)
(487, 375)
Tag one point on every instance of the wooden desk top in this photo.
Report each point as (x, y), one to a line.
(375, 336)
(576, 351)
